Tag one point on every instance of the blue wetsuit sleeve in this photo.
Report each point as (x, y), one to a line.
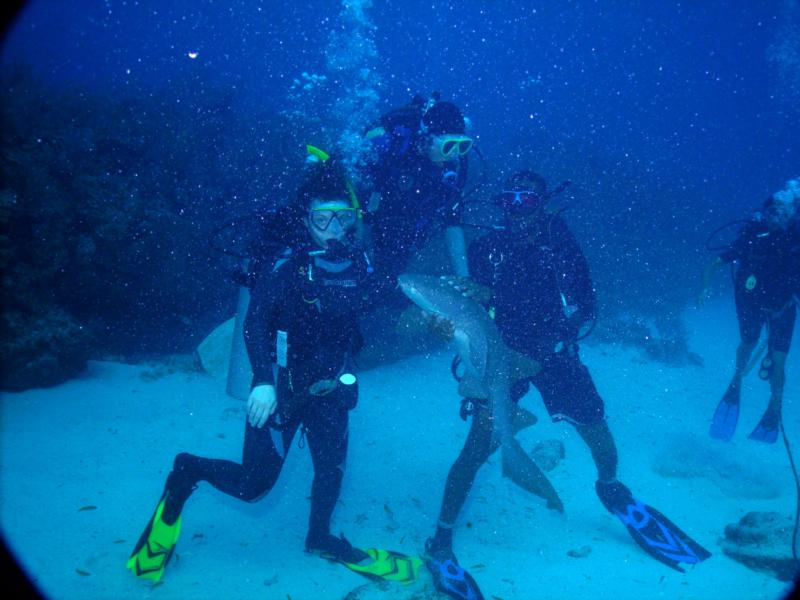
(268, 299)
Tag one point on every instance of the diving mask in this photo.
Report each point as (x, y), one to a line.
(520, 200)
(322, 216)
(449, 147)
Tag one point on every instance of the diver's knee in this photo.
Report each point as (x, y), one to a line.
(183, 462)
(257, 484)
(255, 491)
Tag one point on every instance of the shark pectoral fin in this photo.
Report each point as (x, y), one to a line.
(521, 366)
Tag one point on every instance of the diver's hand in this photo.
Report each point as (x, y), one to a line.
(441, 327)
(261, 404)
(469, 288)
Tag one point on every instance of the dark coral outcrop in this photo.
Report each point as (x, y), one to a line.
(107, 204)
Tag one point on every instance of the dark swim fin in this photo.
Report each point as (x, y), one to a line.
(655, 533)
(723, 424)
(767, 429)
(453, 580)
(388, 565)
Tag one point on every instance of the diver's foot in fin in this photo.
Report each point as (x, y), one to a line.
(435, 549)
(334, 548)
(768, 427)
(155, 546)
(723, 424)
(453, 580)
(387, 565)
(655, 534)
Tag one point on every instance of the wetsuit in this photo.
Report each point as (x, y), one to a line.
(415, 195)
(542, 296)
(766, 276)
(534, 286)
(531, 283)
(303, 317)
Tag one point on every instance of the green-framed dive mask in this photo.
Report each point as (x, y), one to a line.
(322, 216)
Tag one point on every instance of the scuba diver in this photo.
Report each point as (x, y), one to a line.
(766, 280)
(417, 180)
(301, 329)
(534, 281)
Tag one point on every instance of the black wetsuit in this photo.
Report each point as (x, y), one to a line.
(415, 195)
(765, 278)
(531, 283)
(534, 285)
(316, 301)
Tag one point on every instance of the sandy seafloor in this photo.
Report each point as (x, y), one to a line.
(108, 438)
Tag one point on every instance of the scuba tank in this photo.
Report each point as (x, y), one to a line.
(240, 373)
(274, 237)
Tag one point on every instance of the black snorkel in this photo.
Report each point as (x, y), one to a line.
(718, 230)
(557, 191)
(484, 178)
(340, 250)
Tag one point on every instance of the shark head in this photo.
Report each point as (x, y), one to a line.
(422, 290)
(435, 295)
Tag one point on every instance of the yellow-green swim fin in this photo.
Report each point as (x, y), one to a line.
(388, 565)
(155, 546)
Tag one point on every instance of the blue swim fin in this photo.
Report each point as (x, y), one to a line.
(723, 424)
(767, 429)
(453, 580)
(655, 534)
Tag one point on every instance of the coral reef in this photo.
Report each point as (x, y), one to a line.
(662, 339)
(547, 454)
(107, 204)
(41, 344)
(762, 541)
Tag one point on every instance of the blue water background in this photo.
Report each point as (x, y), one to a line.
(668, 117)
